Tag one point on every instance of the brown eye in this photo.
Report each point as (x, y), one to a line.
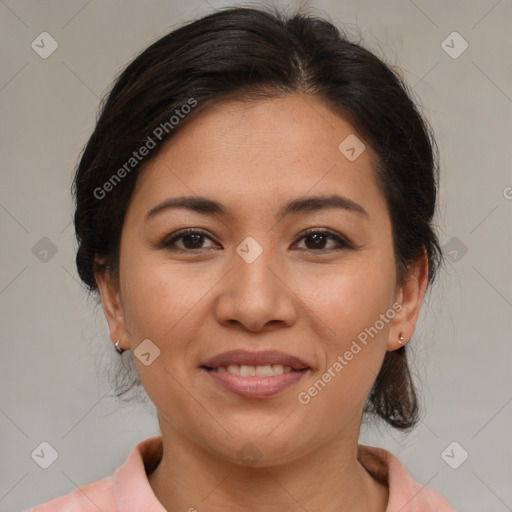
(191, 239)
(318, 239)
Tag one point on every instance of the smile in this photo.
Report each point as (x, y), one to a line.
(244, 370)
(255, 375)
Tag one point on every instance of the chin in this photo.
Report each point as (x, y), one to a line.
(254, 449)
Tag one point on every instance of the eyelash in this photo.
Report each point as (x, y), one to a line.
(168, 243)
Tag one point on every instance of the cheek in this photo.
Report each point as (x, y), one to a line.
(163, 304)
(160, 296)
(352, 337)
(350, 297)
(352, 306)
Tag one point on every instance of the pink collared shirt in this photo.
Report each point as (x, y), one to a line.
(128, 489)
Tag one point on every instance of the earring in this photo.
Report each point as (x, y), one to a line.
(118, 348)
(401, 339)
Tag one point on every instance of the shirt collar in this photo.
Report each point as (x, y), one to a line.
(131, 487)
(133, 492)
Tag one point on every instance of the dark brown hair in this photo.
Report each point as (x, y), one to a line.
(252, 54)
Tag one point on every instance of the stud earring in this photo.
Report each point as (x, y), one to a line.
(401, 339)
(118, 348)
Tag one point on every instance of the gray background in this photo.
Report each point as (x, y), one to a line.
(54, 341)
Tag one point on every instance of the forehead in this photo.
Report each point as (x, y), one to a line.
(260, 153)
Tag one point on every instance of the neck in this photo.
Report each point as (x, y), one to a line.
(329, 479)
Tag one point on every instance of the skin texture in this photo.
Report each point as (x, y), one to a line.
(305, 299)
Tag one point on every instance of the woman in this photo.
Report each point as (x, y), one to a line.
(255, 210)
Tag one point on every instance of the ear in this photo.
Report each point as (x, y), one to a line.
(112, 307)
(410, 296)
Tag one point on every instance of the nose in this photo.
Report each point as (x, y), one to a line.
(256, 296)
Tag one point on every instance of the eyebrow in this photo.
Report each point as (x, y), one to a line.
(309, 204)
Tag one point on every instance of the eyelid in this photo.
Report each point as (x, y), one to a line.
(169, 240)
(342, 241)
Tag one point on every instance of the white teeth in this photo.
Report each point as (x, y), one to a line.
(255, 371)
(247, 371)
(277, 369)
(264, 371)
(234, 369)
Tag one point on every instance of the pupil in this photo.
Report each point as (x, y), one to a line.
(318, 238)
(193, 236)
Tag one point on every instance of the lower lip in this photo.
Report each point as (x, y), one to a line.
(255, 387)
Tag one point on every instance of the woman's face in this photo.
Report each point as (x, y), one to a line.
(251, 279)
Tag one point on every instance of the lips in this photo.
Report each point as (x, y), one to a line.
(263, 358)
(255, 375)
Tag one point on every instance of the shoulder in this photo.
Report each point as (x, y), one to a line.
(405, 494)
(88, 498)
(127, 488)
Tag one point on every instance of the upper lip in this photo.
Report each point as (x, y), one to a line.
(244, 357)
